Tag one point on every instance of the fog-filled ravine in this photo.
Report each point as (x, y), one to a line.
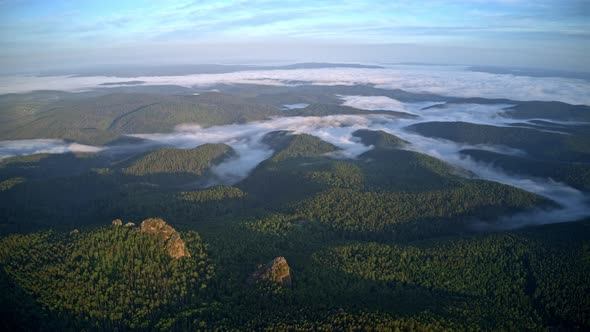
(337, 129)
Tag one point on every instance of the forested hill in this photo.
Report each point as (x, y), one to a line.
(289, 145)
(379, 139)
(122, 277)
(102, 119)
(576, 175)
(110, 278)
(538, 143)
(178, 161)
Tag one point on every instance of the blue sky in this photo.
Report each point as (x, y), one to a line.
(541, 33)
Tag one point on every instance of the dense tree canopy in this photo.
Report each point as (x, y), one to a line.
(113, 277)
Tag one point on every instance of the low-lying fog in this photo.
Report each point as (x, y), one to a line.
(456, 81)
(34, 146)
(246, 138)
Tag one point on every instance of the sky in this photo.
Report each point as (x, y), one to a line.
(63, 33)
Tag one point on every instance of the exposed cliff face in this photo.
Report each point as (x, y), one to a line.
(276, 271)
(168, 236)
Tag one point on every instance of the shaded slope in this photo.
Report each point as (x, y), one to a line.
(207, 109)
(385, 191)
(576, 175)
(537, 143)
(288, 145)
(281, 178)
(549, 110)
(389, 167)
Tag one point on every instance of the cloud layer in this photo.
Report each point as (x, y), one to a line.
(443, 80)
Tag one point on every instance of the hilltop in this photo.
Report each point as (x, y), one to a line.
(107, 278)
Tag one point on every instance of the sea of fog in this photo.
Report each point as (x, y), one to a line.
(456, 81)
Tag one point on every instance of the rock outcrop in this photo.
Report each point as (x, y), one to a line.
(276, 271)
(175, 246)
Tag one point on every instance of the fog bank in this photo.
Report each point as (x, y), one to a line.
(34, 146)
(455, 81)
